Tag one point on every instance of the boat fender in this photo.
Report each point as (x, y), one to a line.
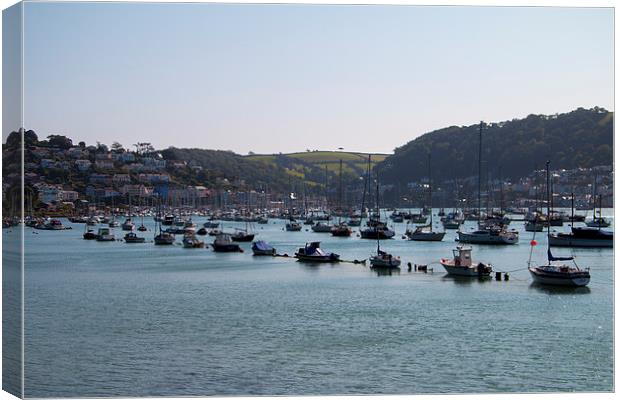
(409, 266)
(506, 276)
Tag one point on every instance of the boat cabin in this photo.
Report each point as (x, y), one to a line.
(462, 256)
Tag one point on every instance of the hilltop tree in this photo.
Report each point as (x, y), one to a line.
(60, 141)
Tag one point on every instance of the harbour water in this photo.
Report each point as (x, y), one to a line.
(116, 319)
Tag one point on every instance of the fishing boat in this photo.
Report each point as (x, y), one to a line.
(190, 241)
(261, 248)
(461, 264)
(556, 272)
(105, 235)
(321, 227)
(312, 252)
(224, 244)
(131, 237)
(128, 225)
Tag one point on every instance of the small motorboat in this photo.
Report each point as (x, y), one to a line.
(113, 224)
(293, 226)
(312, 252)
(90, 235)
(190, 241)
(223, 244)
(105, 235)
(131, 237)
(261, 248)
(142, 228)
(321, 227)
(462, 265)
(201, 231)
(341, 230)
(215, 232)
(425, 234)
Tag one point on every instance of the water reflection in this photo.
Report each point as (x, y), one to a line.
(560, 290)
(385, 271)
(465, 280)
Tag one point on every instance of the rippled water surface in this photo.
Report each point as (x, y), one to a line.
(108, 319)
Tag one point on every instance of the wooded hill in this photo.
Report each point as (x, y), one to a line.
(580, 138)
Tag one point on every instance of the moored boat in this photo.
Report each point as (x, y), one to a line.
(312, 252)
(262, 248)
(461, 264)
(105, 235)
(131, 237)
(223, 244)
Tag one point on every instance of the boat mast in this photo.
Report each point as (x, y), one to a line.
(479, 172)
(378, 213)
(366, 186)
(340, 193)
(548, 211)
(430, 190)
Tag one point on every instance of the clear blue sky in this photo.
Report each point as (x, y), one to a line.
(271, 78)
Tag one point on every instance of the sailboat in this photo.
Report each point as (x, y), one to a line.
(554, 273)
(162, 238)
(489, 234)
(425, 233)
(582, 237)
(376, 229)
(341, 229)
(382, 259)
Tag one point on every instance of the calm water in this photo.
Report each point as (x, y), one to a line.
(108, 319)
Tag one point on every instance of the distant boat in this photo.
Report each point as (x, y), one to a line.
(461, 264)
(425, 234)
(89, 234)
(211, 224)
(164, 238)
(293, 226)
(131, 237)
(341, 230)
(321, 227)
(376, 229)
(128, 225)
(312, 252)
(554, 273)
(383, 259)
(582, 237)
(261, 248)
(598, 222)
(489, 236)
(201, 231)
(190, 241)
(105, 235)
(224, 244)
(242, 236)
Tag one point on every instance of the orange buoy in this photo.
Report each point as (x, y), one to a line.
(533, 242)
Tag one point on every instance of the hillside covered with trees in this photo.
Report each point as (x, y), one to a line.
(580, 138)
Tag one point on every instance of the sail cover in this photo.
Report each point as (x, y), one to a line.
(552, 258)
(260, 245)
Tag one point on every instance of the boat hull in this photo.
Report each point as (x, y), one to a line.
(487, 239)
(559, 279)
(471, 271)
(427, 236)
(571, 241)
